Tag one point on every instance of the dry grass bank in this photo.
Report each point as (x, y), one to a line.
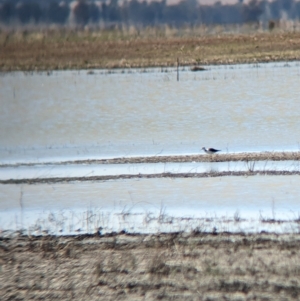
(194, 266)
(67, 49)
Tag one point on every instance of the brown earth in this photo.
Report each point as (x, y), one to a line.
(178, 266)
(67, 49)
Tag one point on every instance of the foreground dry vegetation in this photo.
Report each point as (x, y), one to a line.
(179, 266)
(150, 47)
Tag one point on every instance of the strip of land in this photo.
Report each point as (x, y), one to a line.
(227, 157)
(211, 174)
(69, 49)
(177, 266)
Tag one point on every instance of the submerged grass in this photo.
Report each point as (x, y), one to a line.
(96, 222)
(151, 47)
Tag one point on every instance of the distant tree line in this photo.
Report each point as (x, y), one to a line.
(143, 13)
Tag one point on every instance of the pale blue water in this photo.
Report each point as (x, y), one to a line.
(73, 115)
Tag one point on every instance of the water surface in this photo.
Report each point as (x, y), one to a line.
(49, 171)
(235, 204)
(71, 114)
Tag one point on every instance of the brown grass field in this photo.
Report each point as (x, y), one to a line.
(178, 266)
(69, 49)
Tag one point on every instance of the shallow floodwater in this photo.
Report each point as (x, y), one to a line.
(49, 171)
(248, 204)
(74, 115)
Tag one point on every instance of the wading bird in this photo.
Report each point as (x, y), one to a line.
(211, 150)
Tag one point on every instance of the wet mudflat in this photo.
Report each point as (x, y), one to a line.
(178, 266)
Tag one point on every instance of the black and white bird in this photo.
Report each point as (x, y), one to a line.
(211, 150)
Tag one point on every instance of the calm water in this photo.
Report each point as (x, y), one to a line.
(88, 170)
(149, 205)
(71, 114)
